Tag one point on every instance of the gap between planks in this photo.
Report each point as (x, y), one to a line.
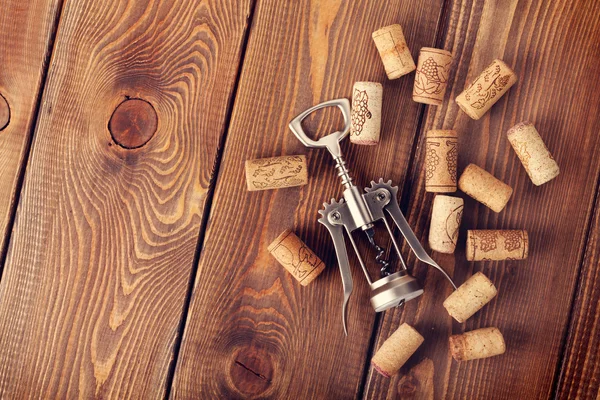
(208, 206)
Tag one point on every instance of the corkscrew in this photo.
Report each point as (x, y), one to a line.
(358, 210)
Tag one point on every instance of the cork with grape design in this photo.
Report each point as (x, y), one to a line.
(366, 113)
(497, 245)
(441, 160)
(276, 172)
(486, 89)
(431, 78)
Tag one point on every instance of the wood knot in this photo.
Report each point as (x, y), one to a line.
(4, 113)
(418, 383)
(251, 371)
(133, 123)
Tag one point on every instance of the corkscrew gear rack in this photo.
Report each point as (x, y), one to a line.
(361, 210)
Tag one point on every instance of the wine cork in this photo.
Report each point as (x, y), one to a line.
(296, 257)
(440, 161)
(480, 343)
(486, 89)
(533, 153)
(394, 52)
(484, 187)
(497, 245)
(396, 350)
(445, 221)
(276, 172)
(470, 297)
(366, 113)
(431, 78)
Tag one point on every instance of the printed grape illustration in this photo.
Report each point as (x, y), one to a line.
(360, 111)
(512, 240)
(431, 77)
(429, 69)
(487, 241)
(432, 161)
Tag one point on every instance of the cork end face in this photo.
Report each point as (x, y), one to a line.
(453, 312)
(427, 100)
(385, 29)
(400, 73)
(505, 66)
(482, 277)
(313, 275)
(279, 239)
(518, 127)
(497, 208)
(463, 106)
(381, 371)
(441, 133)
(443, 250)
(469, 248)
(508, 194)
(540, 181)
(363, 142)
(435, 50)
(457, 344)
(500, 340)
(525, 244)
(469, 169)
(440, 189)
(368, 84)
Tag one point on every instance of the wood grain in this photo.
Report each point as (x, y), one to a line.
(548, 44)
(25, 44)
(580, 372)
(252, 331)
(104, 240)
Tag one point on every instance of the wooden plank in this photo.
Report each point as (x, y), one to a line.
(251, 329)
(554, 52)
(105, 236)
(25, 44)
(580, 372)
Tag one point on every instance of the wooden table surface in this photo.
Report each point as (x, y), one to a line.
(134, 261)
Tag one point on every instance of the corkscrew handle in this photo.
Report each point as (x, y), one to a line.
(332, 141)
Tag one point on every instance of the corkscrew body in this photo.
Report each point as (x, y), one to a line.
(360, 211)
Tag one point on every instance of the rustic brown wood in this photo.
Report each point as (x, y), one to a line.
(25, 44)
(252, 330)
(580, 372)
(549, 46)
(101, 254)
(133, 123)
(104, 240)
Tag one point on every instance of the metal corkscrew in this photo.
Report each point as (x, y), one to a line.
(361, 210)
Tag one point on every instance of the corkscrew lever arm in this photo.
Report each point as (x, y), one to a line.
(394, 210)
(337, 235)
